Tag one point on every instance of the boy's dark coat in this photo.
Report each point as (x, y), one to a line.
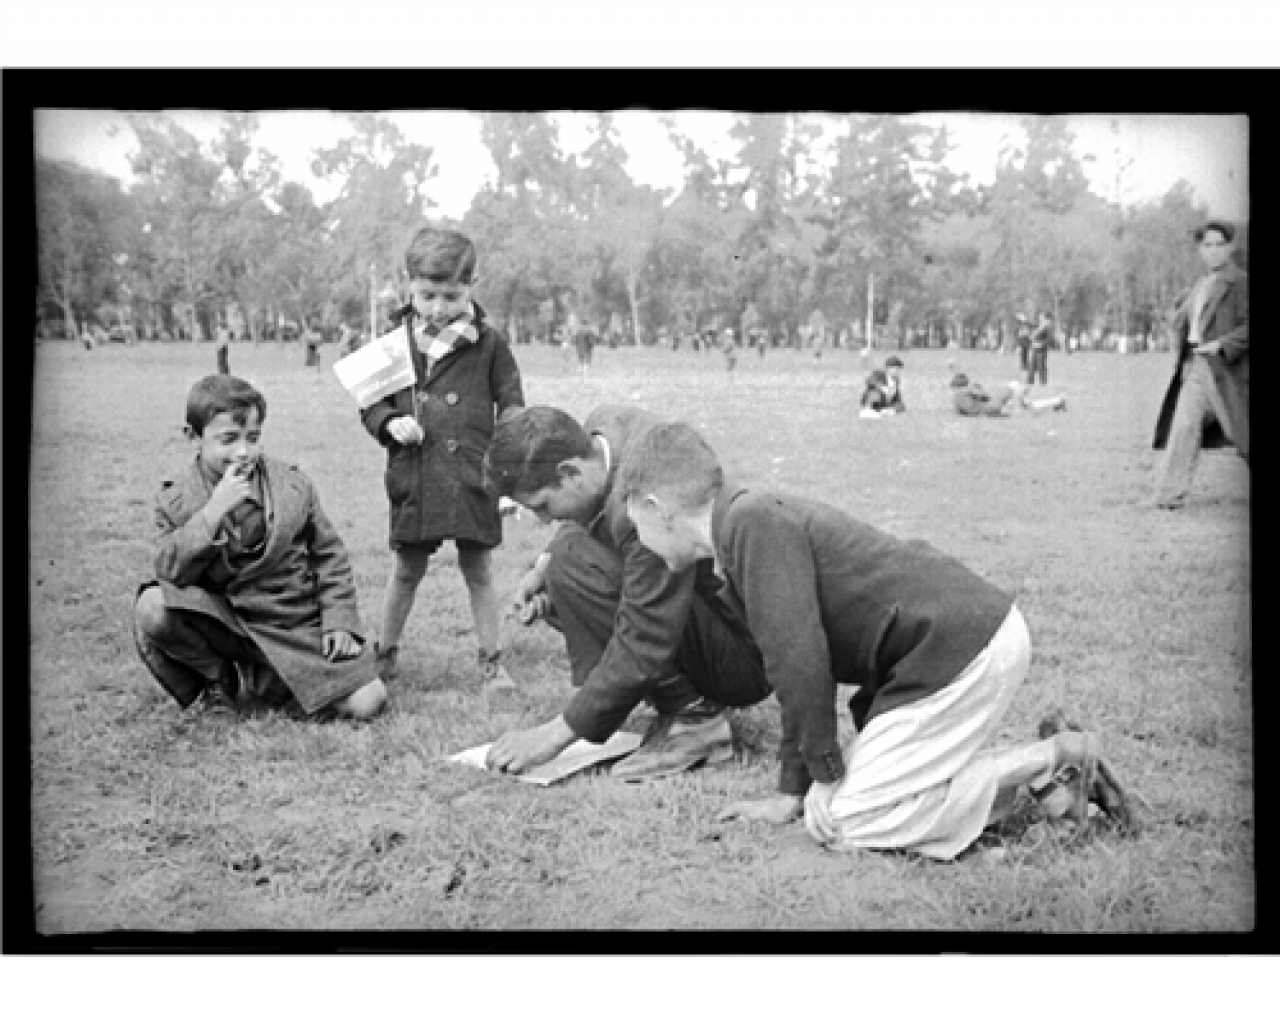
(436, 489)
(299, 587)
(1226, 318)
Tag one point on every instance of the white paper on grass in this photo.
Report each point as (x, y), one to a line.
(578, 756)
(378, 369)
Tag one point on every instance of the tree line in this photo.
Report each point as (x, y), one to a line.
(773, 243)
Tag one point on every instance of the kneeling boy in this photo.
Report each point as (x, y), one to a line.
(252, 582)
(936, 652)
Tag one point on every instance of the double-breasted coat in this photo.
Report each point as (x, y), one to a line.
(1225, 318)
(436, 488)
(297, 587)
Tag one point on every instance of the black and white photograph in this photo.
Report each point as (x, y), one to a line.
(476, 520)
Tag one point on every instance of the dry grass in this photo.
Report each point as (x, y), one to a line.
(145, 818)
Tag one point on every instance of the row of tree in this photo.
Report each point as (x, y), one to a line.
(881, 235)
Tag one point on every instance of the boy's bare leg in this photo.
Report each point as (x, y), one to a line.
(477, 571)
(407, 571)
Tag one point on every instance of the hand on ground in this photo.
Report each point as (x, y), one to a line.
(777, 809)
(518, 750)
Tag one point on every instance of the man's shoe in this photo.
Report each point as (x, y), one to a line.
(219, 702)
(677, 743)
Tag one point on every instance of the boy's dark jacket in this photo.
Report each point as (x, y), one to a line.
(436, 489)
(1226, 318)
(297, 588)
(830, 600)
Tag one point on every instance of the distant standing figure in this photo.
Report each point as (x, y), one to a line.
(730, 352)
(223, 340)
(1038, 356)
(1207, 400)
(312, 341)
(584, 341)
(1022, 340)
(972, 399)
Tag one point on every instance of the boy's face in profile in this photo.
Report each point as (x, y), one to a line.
(440, 303)
(664, 531)
(226, 443)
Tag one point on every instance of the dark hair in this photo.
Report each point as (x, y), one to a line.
(671, 457)
(877, 377)
(442, 256)
(959, 380)
(1221, 226)
(214, 395)
(527, 448)
(893, 361)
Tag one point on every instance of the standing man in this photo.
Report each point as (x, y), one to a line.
(1038, 358)
(1207, 401)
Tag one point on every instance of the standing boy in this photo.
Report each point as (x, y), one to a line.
(936, 652)
(1207, 401)
(436, 433)
(253, 583)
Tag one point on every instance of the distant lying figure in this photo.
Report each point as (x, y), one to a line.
(973, 398)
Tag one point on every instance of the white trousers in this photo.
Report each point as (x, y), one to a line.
(914, 777)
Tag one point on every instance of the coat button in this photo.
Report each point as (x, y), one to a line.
(452, 398)
(452, 446)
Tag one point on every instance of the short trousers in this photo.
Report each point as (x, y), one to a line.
(432, 546)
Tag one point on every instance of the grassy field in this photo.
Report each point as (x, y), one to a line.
(147, 818)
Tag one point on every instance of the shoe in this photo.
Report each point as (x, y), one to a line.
(493, 674)
(388, 668)
(218, 700)
(677, 743)
(1093, 781)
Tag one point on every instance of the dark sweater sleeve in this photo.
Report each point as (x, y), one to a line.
(773, 569)
(651, 619)
(504, 379)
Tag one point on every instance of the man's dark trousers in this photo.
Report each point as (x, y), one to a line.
(717, 658)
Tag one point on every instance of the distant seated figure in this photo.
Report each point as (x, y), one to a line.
(875, 396)
(973, 398)
(893, 390)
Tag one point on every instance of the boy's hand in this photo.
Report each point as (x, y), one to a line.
(339, 645)
(1209, 347)
(777, 809)
(817, 812)
(518, 750)
(530, 600)
(231, 491)
(405, 431)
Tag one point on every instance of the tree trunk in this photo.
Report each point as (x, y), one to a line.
(635, 307)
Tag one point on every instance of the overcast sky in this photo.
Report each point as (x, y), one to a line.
(1209, 152)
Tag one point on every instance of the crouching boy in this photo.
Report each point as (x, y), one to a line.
(936, 652)
(253, 593)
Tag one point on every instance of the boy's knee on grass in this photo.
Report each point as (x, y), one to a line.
(365, 703)
(151, 614)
